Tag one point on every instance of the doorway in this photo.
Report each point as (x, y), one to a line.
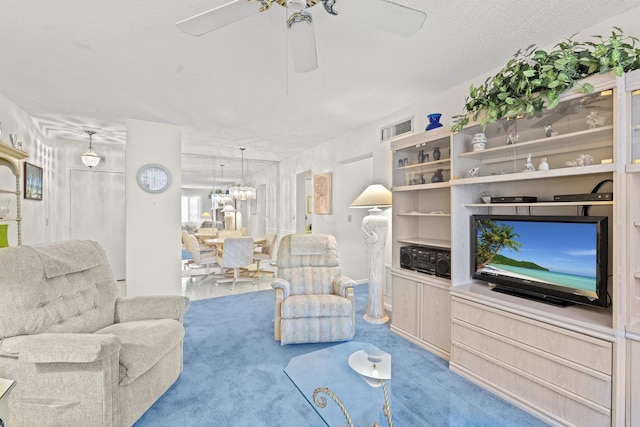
(304, 202)
(97, 212)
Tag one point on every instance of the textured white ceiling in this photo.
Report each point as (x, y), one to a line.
(78, 64)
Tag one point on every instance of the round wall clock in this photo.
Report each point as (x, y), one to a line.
(153, 178)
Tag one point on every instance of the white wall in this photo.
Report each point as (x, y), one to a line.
(39, 218)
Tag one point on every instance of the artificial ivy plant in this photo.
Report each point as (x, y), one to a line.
(533, 80)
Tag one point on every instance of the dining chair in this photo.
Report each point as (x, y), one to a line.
(265, 252)
(201, 258)
(237, 253)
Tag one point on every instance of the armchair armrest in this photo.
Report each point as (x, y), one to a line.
(280, 283)
(62, 348)
(281, 286)
(341, 285)
(130, 309)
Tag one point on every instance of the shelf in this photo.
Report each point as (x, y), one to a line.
(428, 165)
(424, 278)
(421, 138)
(522, 176)
(589, 138)
(12, 152)
(8, 192)
(442, 214)
(434, 243)
(632, 168)
(633, 332)
(429, 186)
(490, 205)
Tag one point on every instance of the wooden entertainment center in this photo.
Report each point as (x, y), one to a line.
(577, 365)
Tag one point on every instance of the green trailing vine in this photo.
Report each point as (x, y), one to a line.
(533, 80)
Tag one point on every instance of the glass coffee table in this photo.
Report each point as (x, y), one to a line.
(326, 380)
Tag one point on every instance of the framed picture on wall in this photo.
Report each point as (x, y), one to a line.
(32, 182)
(322, 194)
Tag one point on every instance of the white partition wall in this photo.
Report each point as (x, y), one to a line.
(153, 220)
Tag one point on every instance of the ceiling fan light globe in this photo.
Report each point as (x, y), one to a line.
(302, 42)
(296, 5)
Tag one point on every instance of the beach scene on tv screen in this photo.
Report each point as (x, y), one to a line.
(554, 253)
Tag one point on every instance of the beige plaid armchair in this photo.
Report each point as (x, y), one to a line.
(81, 355)
(314, 303)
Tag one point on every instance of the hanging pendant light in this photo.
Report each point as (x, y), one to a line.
(90, 159)
(242, 192)
(219, 197)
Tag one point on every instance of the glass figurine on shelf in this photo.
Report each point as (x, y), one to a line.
(549, 132)
(436, 153)
(512, 138)
(528, 167)
(543, 165)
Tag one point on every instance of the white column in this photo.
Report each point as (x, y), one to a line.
(153, 241)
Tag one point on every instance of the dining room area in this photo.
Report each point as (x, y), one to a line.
(228, 242)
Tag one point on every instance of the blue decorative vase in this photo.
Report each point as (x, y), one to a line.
(437, 176)
(434, 121)
(436, 153)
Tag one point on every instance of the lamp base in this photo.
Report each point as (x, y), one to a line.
(374, 227)
(376, 320)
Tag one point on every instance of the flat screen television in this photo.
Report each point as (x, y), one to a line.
(558, 260)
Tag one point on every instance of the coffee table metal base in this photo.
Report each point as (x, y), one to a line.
(328, 369)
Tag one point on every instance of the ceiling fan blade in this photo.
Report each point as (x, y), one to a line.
(388, 16)
(218, 17)
(302, 41)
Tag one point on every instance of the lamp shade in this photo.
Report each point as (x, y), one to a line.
(228, 208)
(206, 215)
(375, 195)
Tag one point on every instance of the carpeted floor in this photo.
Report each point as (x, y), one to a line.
(233, 375)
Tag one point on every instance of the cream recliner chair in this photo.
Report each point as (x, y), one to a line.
(81, 355)
(314, 303)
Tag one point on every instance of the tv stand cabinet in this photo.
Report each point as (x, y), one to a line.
(559, 375)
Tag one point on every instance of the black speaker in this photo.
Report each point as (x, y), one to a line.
(443, 265)
(406, 260)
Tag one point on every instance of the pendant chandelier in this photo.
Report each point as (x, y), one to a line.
(90, 159)
(218, 197)
(242, 192)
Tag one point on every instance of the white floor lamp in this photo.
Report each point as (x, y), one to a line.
(374, 227)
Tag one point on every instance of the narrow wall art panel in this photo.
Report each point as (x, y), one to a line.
(322, 194)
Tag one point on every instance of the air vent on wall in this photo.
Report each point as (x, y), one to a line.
(399, 128)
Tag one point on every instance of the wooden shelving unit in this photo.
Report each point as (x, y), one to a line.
(12, 158)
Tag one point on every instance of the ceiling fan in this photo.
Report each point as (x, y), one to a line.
(384, 14)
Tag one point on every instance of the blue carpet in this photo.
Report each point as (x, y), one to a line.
(234, 375)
